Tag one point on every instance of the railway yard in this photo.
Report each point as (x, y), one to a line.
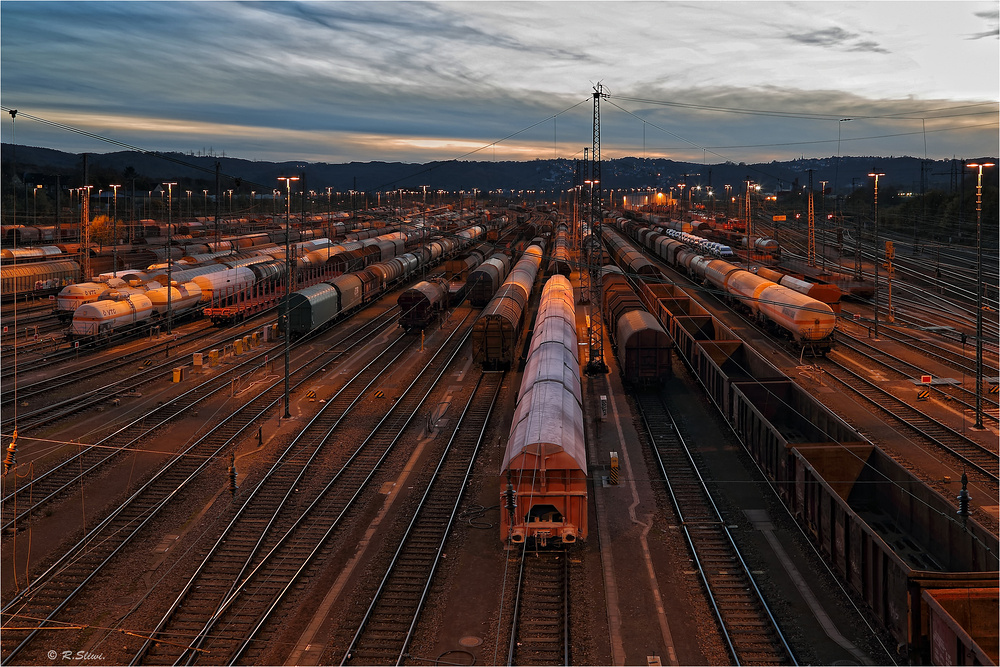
(413, 460)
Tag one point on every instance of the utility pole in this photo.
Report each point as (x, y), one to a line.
(596, 363)
(979, 290)
(822, 210)
(812, 223)
(876, 176)
(170, 258)
(288, 280)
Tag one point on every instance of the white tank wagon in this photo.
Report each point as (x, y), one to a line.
(223, 283)
(102, 318)
(185, 275)
(807, 319)
(72, 297)
(183, 297)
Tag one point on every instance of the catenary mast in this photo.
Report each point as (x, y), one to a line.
(595, 247)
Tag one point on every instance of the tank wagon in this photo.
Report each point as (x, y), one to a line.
(496, 331)
(486, 279)
(809, 322)
(641, 345)
(423, 302)
(825, 292)
(34, 279)
(73, 296)
(102, 318)
(543, 493)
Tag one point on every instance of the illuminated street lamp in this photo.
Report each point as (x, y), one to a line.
(876, 177)
(34, 203)
(979, 288)
(170, 263)
(288, 278)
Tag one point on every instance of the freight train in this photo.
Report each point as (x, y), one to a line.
(316, 306)
(496, 331)
(809, 322)
(543, 491)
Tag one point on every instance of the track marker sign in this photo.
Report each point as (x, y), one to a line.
(926, 379)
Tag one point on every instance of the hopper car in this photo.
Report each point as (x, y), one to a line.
(498, 328)
(543, 490)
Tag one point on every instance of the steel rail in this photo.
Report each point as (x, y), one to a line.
(893, 363)
(136, 516)
(298, 456)
(969, 452)
(417, 559)
(541, 601)
(755, 642)
(329, 508)
(90, 458)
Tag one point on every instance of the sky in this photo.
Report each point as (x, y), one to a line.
(421, 81)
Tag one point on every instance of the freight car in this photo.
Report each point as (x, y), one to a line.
(73, 296)
(34, 254)
(641, 345)
(887, 536)
(315, 307)
(496, 331)
(101, 319)
(484, 281)
(34, 279)
(543, 492)
(422, 303)
(561, 262)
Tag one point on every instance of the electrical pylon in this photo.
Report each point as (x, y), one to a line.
(595, 247)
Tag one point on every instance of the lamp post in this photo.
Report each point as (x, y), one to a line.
(979, 289)
(34, 204)
(288, 278)
(876, 176)
(114, 229)
(170, 262)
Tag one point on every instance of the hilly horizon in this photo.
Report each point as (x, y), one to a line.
(39, 165)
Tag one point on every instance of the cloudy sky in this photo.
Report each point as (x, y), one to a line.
(421, 81)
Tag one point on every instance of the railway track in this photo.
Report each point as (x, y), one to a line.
(540, 622)
(19, 504)
(79, 567)
(749, 629)
(983, 462)
(67, 377)
(384, 633)
(910, 371)
(293, 544)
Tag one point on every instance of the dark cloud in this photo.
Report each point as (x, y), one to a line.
(991, 17)
(837, 38)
